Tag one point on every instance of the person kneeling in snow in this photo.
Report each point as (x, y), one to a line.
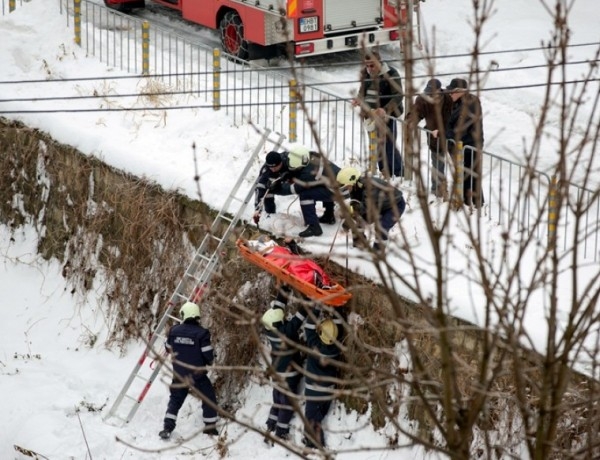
(189, 344)
(372, 201)
(308, 179)
(286, 360)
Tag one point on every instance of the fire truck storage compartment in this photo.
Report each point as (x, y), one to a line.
(350, 14)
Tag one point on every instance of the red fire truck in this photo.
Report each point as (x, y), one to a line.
(261, 28)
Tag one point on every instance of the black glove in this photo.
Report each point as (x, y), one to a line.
(256, 217)
(275, 187)
(293, 247)
(357, 208)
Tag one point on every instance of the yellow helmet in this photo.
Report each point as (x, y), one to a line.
(328, 331)
(189, 310)
(348, 176)
(270, 317)
(298, 156)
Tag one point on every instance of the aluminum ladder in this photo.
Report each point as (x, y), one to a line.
(191, 287)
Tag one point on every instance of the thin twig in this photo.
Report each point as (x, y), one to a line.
(83, 433)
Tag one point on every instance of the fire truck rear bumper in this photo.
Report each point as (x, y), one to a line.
(346, 42)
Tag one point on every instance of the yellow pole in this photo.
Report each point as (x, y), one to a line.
(373, 148)
(12, 4)
(293, 123)
(77, 21)
(145, 48)
(216, 78)
(459, 175)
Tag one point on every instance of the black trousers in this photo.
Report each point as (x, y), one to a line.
(282, 411)
(179, 392)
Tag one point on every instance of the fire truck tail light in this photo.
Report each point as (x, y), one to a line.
(394, 35)
(305, 48)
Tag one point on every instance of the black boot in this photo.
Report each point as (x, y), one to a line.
(282, 434)
(165, 434)
(210, 430)
(327, 218)
(311, 230)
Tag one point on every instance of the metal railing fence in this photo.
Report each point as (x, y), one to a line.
(525, 201)
(246, 92)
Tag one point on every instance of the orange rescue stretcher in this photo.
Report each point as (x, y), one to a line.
(292, 270)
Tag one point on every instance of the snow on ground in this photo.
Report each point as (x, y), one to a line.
(56, 377)
(53, 379)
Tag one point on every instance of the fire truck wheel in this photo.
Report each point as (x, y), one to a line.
(124, 7)
(232, 35)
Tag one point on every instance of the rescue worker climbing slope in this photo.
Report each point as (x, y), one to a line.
(323, 337)
(286, 360)
(191, 350)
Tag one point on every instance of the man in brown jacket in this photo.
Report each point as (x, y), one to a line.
(435, 106)
(380, 98)
(466, 125)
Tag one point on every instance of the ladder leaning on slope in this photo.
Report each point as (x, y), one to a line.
(191, 287)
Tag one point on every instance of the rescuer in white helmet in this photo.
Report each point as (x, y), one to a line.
(323, 336)
(286, 360)
(191, 350)
(372, 201)
(309, 180)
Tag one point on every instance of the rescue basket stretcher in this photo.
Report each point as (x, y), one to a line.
(283, 266)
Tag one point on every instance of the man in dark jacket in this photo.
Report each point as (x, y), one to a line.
(373, 201)
(274, 170)
(323, 336)
(435, 106)
(308, 180)
(189, 344)
(466, 125)
(380, 97)
(286, 360)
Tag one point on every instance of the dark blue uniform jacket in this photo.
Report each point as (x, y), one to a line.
(191, 347)
(373, 196)
(309, 176)
(266, 178)
(320, 385)
(285, 357)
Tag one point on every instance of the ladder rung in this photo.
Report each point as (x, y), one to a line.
(118, 417)
(228, 219)
(200, 257)
(194, 277)
(164, 337)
